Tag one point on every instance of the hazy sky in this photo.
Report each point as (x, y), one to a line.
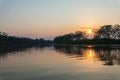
(48, 18)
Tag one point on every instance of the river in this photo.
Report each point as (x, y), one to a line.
(60, 62)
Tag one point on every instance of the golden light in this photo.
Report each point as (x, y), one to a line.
(90, 55)
(89, 31)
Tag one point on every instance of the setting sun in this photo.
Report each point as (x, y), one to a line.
(89, 31)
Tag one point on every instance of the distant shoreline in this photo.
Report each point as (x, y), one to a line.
(87, 45)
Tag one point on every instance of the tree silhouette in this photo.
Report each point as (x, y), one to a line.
(104, 32)
(6, 40)
(116, 32)
(70, 38)
(108, 32)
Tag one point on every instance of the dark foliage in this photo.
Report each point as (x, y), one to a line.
(107, 34)
(70, 38)
(6, 40)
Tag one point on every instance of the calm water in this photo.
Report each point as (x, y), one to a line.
(60, 63)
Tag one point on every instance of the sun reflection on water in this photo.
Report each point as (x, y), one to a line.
(90, 55)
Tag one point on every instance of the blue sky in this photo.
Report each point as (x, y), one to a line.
(49, 18)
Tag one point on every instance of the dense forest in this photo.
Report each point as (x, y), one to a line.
(107, 34)
(7, 40)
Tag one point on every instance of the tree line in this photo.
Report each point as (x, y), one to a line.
(7, 40)
(107, 34)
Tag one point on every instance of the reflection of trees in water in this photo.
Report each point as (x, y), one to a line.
(110, 55)
(70, 50)
(4, 51)
(11, 50)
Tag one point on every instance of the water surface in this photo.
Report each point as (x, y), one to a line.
(60, 63)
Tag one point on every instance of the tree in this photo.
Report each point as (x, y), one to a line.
(78, 35)
(105, 32)
(13, 40)
(70, 38)
(116, 32)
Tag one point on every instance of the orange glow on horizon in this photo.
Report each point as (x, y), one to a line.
(89, 31)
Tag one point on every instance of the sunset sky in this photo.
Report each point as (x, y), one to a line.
(50, 18)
